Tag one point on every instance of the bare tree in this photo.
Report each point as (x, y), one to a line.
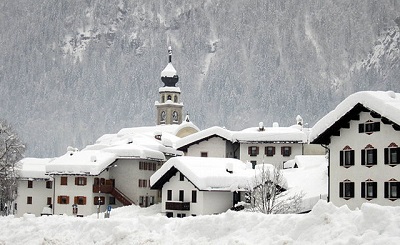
(11, 151)
(268, 194)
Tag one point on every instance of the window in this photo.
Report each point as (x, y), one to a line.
(49, 184)
(204, 154)
(181, 195)
(80, 180)
(30, 184)
(253, 164)
(28, 200)
(64, 180)
(346, 189)
(142, 183)
(49, 201)
(169, 97)
(63, 200)
(369, 127)
(181, 215)
(111, 200)
(169, 195)
(286, 151)
(148, 166)
(141, 201)
(169, 214)
(392, 189)
(176, 99)
(270, 151)
(181, 177)
(369, 189)
(392, 155)
(80, 200)
(151, 200)
(347, 157)
(253, 150)
(194, 196)
(96, 200)
(369, 157)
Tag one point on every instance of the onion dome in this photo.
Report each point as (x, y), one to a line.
(169, 75)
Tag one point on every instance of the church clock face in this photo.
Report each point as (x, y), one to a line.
(163, 116)
(175, 116)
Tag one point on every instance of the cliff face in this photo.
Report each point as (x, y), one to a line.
(71, 72)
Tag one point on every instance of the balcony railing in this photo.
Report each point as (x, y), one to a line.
(184, 206)
(102, 188)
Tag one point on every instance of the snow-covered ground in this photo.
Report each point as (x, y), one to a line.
(325, 224)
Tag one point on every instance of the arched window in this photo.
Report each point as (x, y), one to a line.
(176, 99)
(169, 97)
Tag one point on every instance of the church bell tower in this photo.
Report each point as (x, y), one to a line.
(169, 108)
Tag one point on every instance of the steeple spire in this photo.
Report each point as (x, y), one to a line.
(170, 54)
(169, 75)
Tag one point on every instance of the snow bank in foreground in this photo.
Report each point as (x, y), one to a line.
(326, 224)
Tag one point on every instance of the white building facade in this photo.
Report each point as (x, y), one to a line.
(364, 157)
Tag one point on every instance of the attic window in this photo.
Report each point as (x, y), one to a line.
(369, 127)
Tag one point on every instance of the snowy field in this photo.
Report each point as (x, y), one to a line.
(326, 224)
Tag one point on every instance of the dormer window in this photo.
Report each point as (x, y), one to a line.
(369, 127)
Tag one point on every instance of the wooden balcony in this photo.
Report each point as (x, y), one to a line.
(182, 206)
(103, 188)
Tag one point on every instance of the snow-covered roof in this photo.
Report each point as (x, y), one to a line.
(135, 151)
(33, 168)
(169, 89)
(206, 173)
(310, 177)
(271, 134)
(204, 134)
(87, 162)
(169, 71)
(387, 104)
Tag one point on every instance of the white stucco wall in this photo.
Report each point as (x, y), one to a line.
(208, 202)
(73, 190)
(276, 160)
(359, 173)
(215, 147)
(127, 175)
(39, 194)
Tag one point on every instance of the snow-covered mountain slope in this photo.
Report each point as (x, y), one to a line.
(72, 71)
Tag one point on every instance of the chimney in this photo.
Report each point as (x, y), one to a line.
(261, 126)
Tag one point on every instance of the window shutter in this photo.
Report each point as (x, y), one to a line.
(59, 199)
(377, 126)
(257, 150)
(362, 189)
(249, 150)
(76, 200)
(273, 150)
(386, 155)
(361, 128)
(341, 189)
(398, 154)
(84, 200)
(352, 188)
(67, 200)
(282, 150)
(290, 150)
(375, 155)
(352, 160)
(398, 190)
(76, 180)
(341, 158)
(375, 188)
(387, 189)
(362, 157)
